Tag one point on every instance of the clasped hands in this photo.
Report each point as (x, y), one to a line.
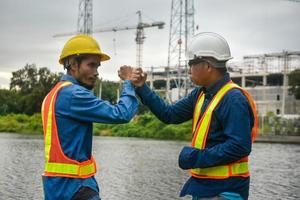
(135, 75)
(188, 156)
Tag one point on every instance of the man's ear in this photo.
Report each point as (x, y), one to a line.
(74, 65)
(209, 67)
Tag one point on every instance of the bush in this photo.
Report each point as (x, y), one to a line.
(21, 123)
(146, 126)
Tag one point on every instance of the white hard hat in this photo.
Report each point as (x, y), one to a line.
(208, 44)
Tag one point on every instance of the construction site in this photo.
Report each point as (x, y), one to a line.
(265, 75)
(213, 113)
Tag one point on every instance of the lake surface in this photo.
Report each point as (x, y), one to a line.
(141, 169)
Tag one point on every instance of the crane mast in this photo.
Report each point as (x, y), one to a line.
(140, 35)
(85, 23)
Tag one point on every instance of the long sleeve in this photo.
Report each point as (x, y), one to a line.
(235, 116)
(87, 107)
(176, 113)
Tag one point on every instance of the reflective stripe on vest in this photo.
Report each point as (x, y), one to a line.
(201, 129)
(197, 110)
(56, 162)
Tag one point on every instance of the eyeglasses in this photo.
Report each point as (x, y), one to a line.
(197, 61)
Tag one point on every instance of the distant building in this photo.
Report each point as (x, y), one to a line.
(265, 76)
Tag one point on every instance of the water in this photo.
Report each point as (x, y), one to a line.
(134, 169)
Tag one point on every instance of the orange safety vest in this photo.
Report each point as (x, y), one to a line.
(56, 162)
(201, 129)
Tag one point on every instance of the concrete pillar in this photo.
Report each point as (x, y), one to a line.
(243, 81)
(264, 80)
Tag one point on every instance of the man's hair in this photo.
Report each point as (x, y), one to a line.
(222, 70)
(69, 61)
(220, 66)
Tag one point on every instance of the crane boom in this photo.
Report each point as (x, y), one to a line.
(160, 25)
(140, 37)
(123, 28)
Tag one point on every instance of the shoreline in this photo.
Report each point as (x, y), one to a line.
(282, 139)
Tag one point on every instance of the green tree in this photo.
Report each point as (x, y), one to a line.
(9, 102)
(109, 90)
(32, 85)
(294, 82)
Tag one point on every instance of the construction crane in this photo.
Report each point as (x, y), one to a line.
(140, 35)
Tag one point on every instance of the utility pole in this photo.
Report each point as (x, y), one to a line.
(85, 17)
(100, 88)
(189, 33)
(285, 71)
(152, 78)
(181, 30)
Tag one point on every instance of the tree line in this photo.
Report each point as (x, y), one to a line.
(29, 86)
(20, 107)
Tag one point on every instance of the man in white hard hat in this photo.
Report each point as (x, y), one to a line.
(224, 122)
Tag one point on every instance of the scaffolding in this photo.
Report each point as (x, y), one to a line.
(182, 28)
(85, 17)
(281, 62)
(265, 76)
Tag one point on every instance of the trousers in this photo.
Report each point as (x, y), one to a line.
(209, 198)
(86, 193)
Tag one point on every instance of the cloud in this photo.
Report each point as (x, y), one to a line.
(250, 26)
(4, 79)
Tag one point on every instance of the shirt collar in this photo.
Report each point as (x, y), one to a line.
(216, 86)
(70, 78)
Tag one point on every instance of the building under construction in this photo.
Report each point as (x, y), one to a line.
(265, 76)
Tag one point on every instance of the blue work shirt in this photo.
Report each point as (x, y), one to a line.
(76, 109)
(229, 137)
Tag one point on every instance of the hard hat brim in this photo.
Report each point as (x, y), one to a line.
(103, 57)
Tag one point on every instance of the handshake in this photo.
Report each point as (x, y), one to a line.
(135, 75)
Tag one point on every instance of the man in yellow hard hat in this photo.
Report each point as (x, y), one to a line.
(68, 113)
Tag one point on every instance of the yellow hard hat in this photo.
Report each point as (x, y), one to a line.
(82, 44)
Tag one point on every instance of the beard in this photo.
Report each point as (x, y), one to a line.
(89, 87)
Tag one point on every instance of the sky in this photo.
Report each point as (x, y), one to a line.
(249, 26)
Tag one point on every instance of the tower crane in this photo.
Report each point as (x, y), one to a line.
(140, 35)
